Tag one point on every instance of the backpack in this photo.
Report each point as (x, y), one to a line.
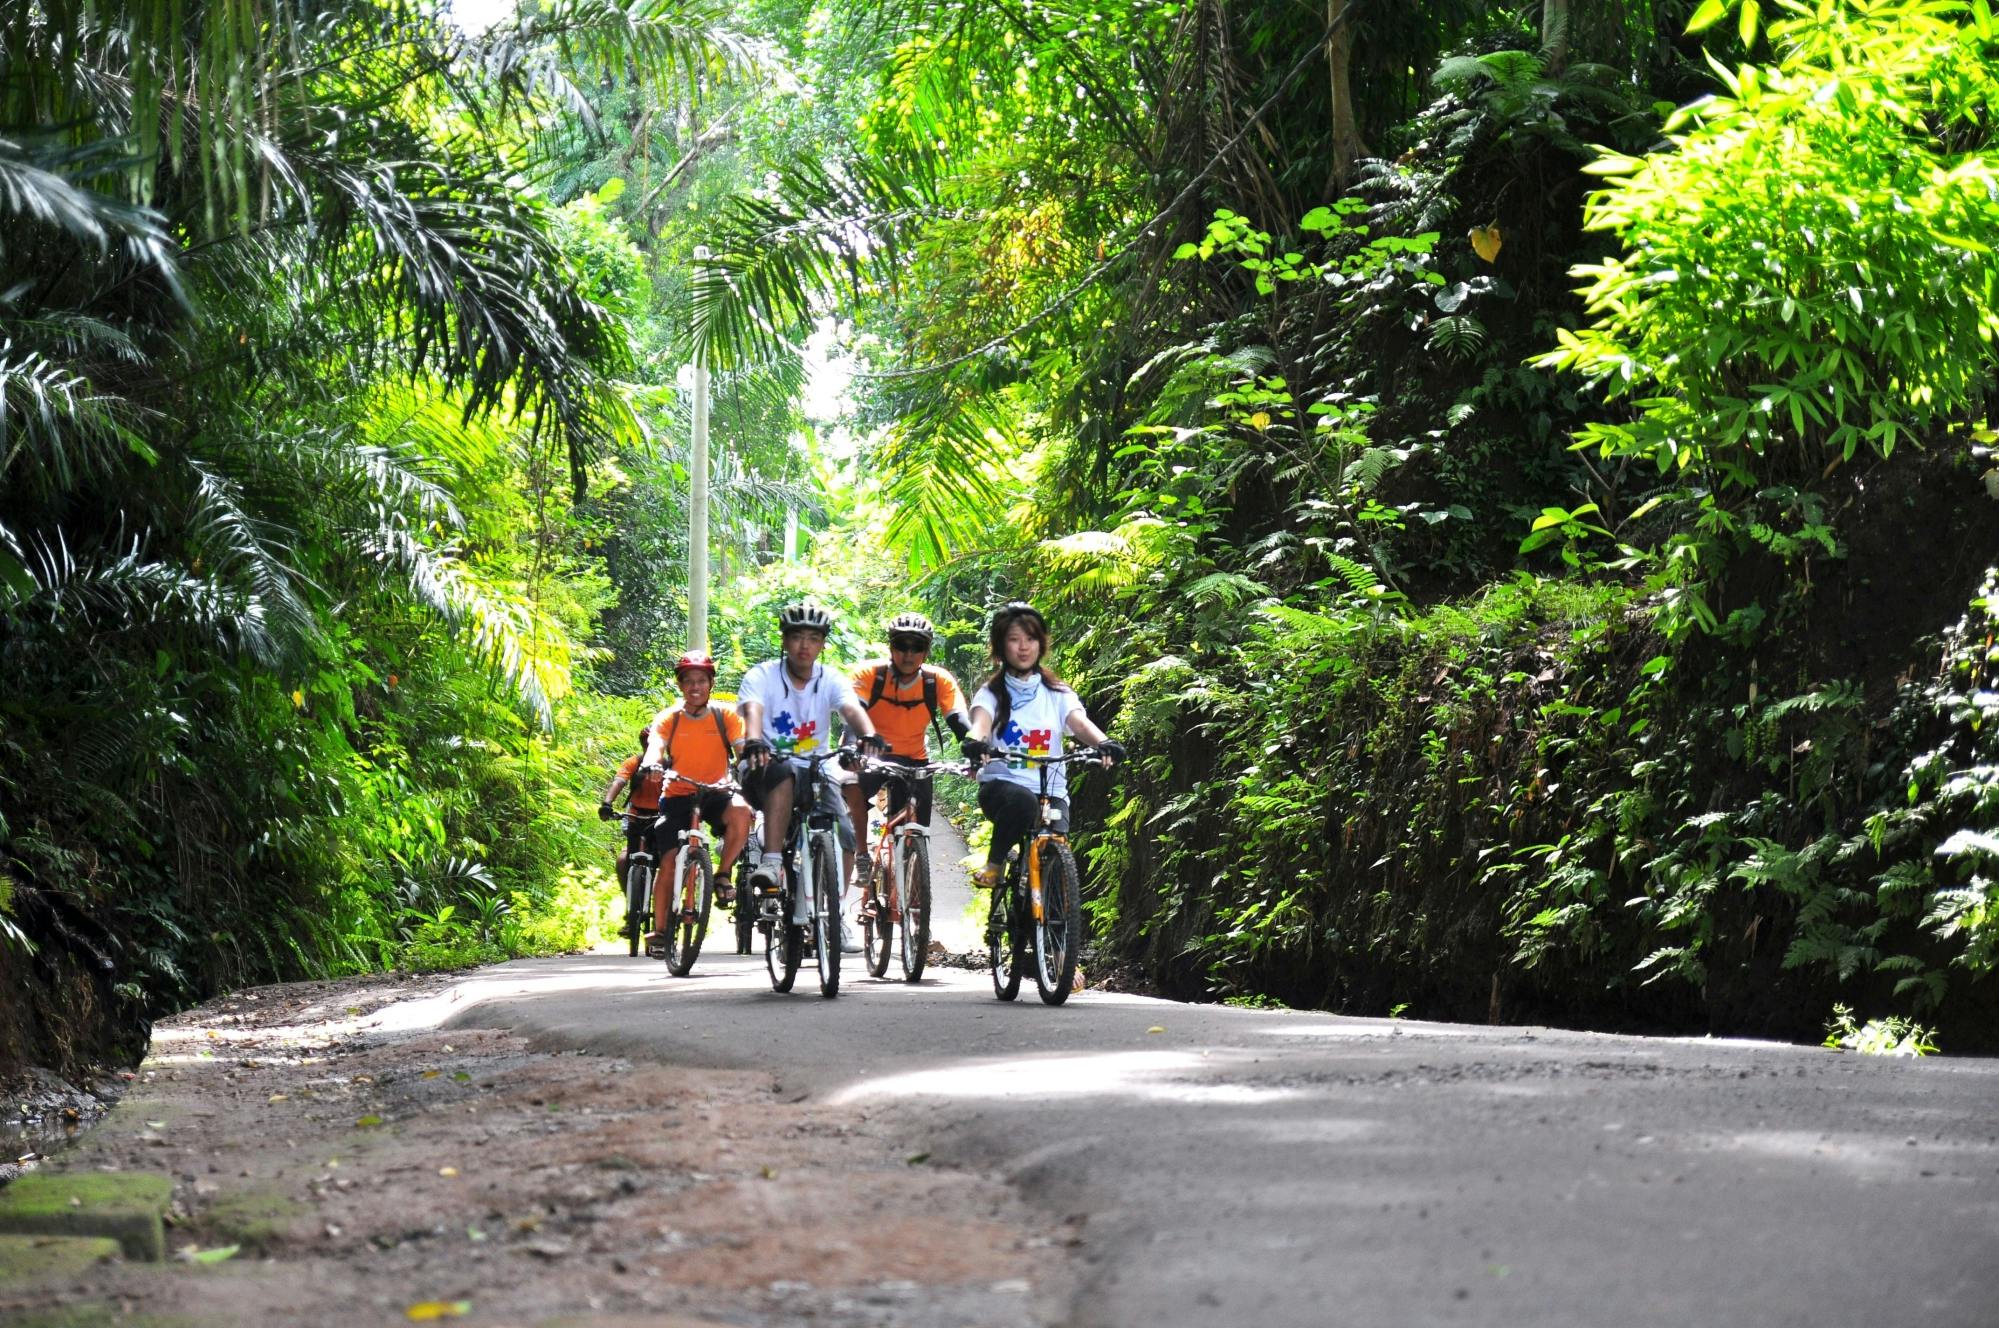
(929, 701)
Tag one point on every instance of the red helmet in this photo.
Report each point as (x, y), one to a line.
(695, 659)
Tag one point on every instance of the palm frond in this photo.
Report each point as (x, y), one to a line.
(56, 429)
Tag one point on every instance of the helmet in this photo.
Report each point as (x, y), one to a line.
(695, 659)
(1005, 616)
(911, 624)
(804, 614)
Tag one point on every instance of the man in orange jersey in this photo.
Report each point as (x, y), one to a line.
(697, 740)
(904, 696)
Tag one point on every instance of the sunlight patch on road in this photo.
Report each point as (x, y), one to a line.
(1355, 1031)
(1156, 1076)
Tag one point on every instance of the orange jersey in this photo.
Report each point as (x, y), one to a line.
(695, 747)
(645, 792)
(900, 716)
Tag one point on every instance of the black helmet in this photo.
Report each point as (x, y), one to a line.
(1005, 616)
(802, 615)
(911, 624)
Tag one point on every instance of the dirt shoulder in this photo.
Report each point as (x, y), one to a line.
(371, 1168)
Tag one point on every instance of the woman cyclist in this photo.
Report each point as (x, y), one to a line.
(1023, 710)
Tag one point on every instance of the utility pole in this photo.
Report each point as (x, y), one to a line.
(697, 503)
(791, 534)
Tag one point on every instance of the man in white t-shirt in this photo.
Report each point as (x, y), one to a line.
(787, 705)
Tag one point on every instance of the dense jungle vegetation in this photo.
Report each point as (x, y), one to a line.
(1517, 479)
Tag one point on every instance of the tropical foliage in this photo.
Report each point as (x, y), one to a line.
(1513, 479)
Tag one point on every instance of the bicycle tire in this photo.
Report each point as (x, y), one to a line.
(784, 940)
(877, 928)
(1003, 931)
(1058, 934)
(915, 907)
(684, 937)
(638, 904)
(826, 918)
(746, 908)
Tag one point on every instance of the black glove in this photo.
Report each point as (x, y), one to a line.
(958, 724)
(872, 744)
(755, 752)
(604, 812)
(975, 749)
(1113, 751)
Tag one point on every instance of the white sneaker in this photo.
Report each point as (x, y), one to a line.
(850, 941)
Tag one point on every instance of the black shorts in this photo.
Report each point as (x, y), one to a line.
(899, 790)
(757, 785)
(641, 832)
(675, 811)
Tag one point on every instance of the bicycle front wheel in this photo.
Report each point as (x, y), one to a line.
(1003, 931)
(826, 918)
(1059, 932)
(746, 907)
(784, 942)
(915, 906)
(877, 927)
(689, 926)
(638, 904)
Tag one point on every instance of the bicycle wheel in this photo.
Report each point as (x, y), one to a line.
(826, 917)
(746, 908)
(1003, 931)
(1059, 933)
(638, 904)
(784, 940)
(915, 906)
(877, 927)
(688, 930)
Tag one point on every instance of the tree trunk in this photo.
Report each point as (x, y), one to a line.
(1348, 146)
(1554, 35)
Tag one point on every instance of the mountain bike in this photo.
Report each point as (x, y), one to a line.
(640, 869)
(897, 896)
(683, 921)
(1037, 907)
(807, 913)
(744, 914)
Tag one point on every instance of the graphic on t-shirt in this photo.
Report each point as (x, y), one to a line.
(1022, 743)
(791, 736)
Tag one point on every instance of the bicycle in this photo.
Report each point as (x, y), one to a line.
(1037, 905)
(898, 890)
(808, 898)
(745, 912)
(693, 867)
(640, 869)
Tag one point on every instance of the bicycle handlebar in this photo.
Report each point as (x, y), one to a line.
(904, 773)
(1086, 756)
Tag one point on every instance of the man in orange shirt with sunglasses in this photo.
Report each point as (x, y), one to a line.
(904, 696)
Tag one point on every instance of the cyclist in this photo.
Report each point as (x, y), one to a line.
(697, 740)
(904, 696)
(787, 706)
(1023, 710)
(643, 804)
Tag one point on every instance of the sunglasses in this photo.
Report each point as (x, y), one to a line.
(910, 644)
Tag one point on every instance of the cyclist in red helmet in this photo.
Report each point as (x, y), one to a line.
(699, 740)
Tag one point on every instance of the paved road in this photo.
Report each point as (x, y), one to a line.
(1239, 1167)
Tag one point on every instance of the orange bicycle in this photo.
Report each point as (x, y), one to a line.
(1036, 908)
(897, 901)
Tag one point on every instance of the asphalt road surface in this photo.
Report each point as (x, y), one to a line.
(1201, 1165)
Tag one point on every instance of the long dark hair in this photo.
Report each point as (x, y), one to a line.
(1030, 621)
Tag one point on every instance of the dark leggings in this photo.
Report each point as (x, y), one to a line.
(1013, 811)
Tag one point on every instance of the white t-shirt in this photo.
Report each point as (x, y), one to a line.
(798, 721)
(1035, 726)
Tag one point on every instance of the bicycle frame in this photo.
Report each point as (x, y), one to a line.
(1041, 833)
(695, 836)
(896, 828)
(808, 821)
